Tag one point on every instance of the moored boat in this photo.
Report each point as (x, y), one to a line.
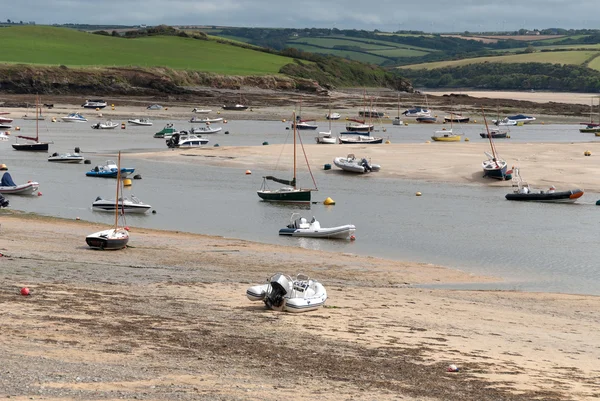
(523, 192)
(140, 121)
(494, 133)
(185, 140)
(167, 131)
(74, 118)
(359, 139)
(65, 158)
(105, 125)
(300, 227)
(333, 116)
(94, 104)
(124, 205)
(445, 136)
(282, 293)
(205, 120)
(109, 170)
(8, 186)
(355, 165)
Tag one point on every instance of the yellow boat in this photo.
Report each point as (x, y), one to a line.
(445, 136)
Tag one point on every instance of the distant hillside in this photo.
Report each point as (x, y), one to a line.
(172, 50)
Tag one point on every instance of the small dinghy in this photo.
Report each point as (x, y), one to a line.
(125, 205)
(355, 165)
(105, 125)
(523, 192)
(8, 186)
(300, 227)
(282, 293)
(65, 158)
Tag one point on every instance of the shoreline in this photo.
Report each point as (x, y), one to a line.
(156, 320)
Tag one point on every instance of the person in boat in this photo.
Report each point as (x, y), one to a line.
(552, 189)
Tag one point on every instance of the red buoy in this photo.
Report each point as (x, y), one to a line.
(24, 291)
(39, 194)
(352, 238)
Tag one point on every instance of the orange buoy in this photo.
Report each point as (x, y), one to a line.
(248, 172)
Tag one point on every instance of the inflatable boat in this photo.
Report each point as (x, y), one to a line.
(300, 227)
(282, 293)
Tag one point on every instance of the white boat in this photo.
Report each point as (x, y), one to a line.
(94, 104)
(125, 205)
(505, 122)
(5, 120)
(397, 121)
(282, 293)
(140, 121)
(4, 135)
(359, 126)
(355, 165)
(106, 125)
(116, 237)
(32, 117)
(181, 140)
(300, 227)
(359, 139)
(417, 111)
(333, 116)
(521, 118)
(201, 111)
(204, 130)
(74, 117)
(65, 158)
(8, 186)
(205, 120)
(326, 138)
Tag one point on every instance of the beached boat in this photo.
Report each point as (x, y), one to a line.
(445, 135)
(397, 120)
(116, 237)
(94, 104)
(300, 227)
(74, 118)
(235, 107)
(110, 169)
(417, 111)
(333, 116)
(359, 139)
(494, 166)
(456, 118)
(185, 140)
(282, 293)
(33, 144)
(154, 107)
(140, 121)
(325, 137)
(523, 192)
(505, 122)
(521, 118)
(355, 165)
(124, 205)
(592, 127)
(105, 125)
(289, 193)
(427, 120)
(205, 120)
(201, 111)
(8, 186)
(65, 158)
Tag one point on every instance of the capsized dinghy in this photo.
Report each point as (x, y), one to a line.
(282, 293)
(300, 227)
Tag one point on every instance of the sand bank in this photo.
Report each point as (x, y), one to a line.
(167, 318)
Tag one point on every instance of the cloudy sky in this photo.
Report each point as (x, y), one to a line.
(384, 15)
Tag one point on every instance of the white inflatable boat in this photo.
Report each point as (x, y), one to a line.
(300, 227)
(282, 293)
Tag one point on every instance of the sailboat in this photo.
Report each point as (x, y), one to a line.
(325, 136)
(115, 237)
(32, 144)
(494, 166)
(397, 120)
(290, 193)
(592, 127)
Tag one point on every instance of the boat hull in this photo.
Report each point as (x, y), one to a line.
(341, 232)
(58, 159)
(31, 147)
(448, 138)
(359, 139)
(569, 196)
(126, 207)
(110, 174)
(494, 135)
(287, 295)
(23, 189)
(108, 239)
(497, 173)
(293, 196)
(235, 107)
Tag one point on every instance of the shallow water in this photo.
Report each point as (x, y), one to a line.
(539, 247)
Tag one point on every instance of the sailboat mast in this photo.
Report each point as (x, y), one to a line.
(118, 185)
(490, 138)
(37, 120)
(294, 178)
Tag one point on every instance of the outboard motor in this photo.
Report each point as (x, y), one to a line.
(278, 289)
(3, 201)
(365, 164)
(173, 141)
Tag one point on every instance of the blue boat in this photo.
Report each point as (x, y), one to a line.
(109, 170)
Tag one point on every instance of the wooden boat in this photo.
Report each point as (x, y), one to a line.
(300, 227)
(290, 193)
(355, 165)
(125, 205)
(33, 144)
(494, 166)
(445, 136)
(8, 186)
(65, 158)
(282, 293)
(115, 237)
(523, 192)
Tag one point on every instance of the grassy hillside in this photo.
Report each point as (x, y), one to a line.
(61, 46)
(558, 57)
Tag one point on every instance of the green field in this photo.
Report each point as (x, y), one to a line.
(569, 57)
(62, 46)
(363, 57)
(332, 42)
(595, 63)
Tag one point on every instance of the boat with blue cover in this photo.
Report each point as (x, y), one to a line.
(109, 170)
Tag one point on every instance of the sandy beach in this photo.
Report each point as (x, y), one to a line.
(167, 318)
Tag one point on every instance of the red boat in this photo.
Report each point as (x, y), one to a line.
(5, 120)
